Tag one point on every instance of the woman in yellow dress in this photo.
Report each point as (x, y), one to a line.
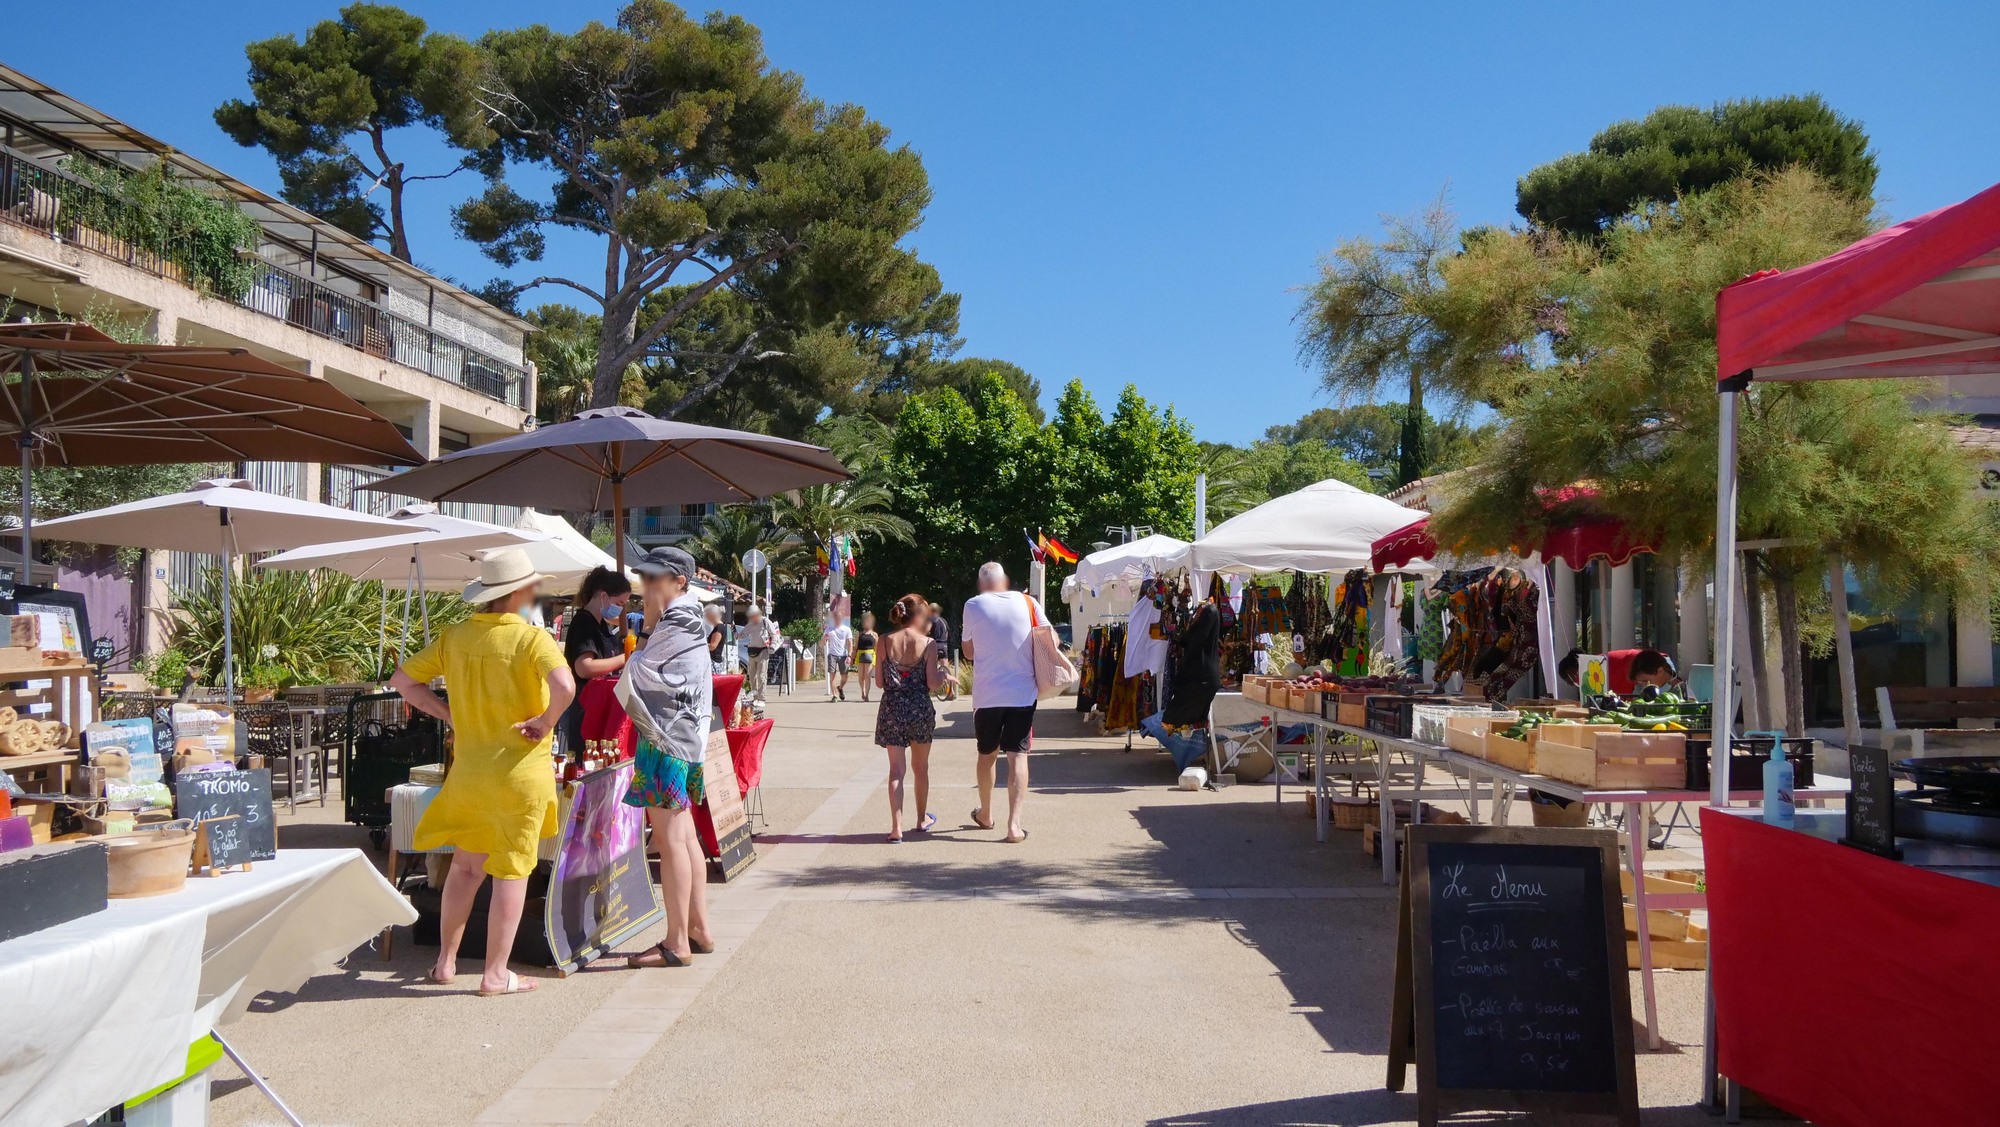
(508, 685)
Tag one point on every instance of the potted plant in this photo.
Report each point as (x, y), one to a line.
(264, 677)
(807, 633)
(165, 671)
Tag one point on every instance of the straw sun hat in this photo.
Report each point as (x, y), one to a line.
(502, 572)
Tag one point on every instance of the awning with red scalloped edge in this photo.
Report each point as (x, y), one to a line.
(1920, 299)
(1583, 537)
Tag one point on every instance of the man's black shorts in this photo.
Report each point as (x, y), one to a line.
(1004, 729)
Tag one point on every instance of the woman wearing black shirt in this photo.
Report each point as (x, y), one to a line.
(595, 647)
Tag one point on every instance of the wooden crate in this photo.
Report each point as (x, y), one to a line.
(1676, 883)
(1253, 689)
(1309, 700)
(1353, 715)
(1573, 735)
(1669, 954)
(1515, 755)
(1469, 733)
(1619, 760)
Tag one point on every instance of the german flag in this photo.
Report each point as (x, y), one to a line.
(1053, 549)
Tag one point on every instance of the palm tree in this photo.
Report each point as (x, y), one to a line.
(1234, 483)
(565, 367)
(861, 442)
(731, 531)
(818, 513)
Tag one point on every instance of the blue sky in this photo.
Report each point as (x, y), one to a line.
(1133, 192)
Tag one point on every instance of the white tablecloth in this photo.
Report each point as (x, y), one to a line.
(103, 1008)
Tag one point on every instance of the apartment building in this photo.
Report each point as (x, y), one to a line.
(444, 366)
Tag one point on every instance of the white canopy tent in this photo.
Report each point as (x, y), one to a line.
(435, 553)
(568, 555)
(1134, 559)
(1327, 527)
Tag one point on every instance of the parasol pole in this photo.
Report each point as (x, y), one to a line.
(423, 593)
(27, 442)
(226, 535)
(618, 519)
(382, 627)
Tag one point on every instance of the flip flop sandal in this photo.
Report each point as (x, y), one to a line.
(666, 953)
(894, 839)
(514, 986)
(930, 820)
(1016, 840)
(980, 824)
(431, 976)
(701, 948)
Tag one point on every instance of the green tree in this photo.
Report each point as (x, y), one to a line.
(816, 514)
(326, 108)
(1370, 323)
(563, 348)
(1627, 401)
(731, 531)
(721, 195)
(1371, 434)
(1678, 150)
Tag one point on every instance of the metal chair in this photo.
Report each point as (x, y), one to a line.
(284, 736)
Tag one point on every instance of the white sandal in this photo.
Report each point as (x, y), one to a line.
(515, 985)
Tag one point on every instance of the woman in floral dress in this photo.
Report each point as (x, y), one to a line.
(908, 670)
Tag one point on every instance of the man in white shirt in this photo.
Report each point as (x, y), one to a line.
(839, 644)
(996, 637)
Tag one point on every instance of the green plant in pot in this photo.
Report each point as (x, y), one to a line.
(264, 678)
(165, 671)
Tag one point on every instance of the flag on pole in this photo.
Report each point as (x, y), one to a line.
(1035, 547)
(1053, 549)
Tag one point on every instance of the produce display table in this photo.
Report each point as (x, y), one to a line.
(1894, 1023)
(1633, 802)
(104, 1008)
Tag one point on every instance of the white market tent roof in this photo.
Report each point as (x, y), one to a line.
(451, 550)
(1131, 560)
(1326, 527)
(569, 555)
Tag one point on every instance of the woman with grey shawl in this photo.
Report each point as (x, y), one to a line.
(666, 689)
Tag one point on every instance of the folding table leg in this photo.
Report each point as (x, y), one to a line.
(1388, 838)
(1635, 831)
(294, 1120)
(1322, 817)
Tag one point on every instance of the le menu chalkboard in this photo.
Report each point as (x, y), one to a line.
(1871, 802)
(1511, 976)
(206, 795)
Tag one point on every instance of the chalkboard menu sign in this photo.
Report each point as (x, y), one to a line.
(1871, 802)
(209, 795)
(1511, 977)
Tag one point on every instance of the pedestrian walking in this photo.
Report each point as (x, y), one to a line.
(864, 652)
(839, 644)
(997, 638)
(667, 689)
(508, 687)
(758, 638)
(909, 672)
(716, 638)
(594, 646)
(941, 634)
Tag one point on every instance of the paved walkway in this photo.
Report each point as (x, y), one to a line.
(1148, 956)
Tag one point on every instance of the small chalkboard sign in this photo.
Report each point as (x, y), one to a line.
(207, 796)
(1511, 980)
(1871, 802)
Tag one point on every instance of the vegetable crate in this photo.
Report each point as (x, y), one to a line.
(1747, 756)
(1390, 715)
(1515, 755)
(1611, 759)
(1468, 732)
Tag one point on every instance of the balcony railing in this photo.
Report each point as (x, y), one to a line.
(32, 195)
(343, 490)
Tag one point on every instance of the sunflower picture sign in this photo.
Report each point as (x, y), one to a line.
(1594, 674)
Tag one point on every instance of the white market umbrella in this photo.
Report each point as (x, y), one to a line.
(1133, 559)
(434, 552)
(562, 551)
(1331, 526)
(224, 516)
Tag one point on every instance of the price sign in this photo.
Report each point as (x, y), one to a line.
(243, 795)
(1871, 802)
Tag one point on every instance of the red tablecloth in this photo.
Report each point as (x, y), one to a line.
(746, 752)
(1850, 989)
(727, 687)
(604, 718)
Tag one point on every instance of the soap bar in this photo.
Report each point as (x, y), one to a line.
(16, 832)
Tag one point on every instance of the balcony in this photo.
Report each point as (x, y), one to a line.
(61, 206)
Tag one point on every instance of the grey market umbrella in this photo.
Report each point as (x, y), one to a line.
(72, 396)
(612, 457)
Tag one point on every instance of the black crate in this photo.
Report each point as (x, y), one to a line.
(385, 738)
(1747, 756)
(1390, 715)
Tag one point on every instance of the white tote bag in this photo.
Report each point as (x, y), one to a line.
(1053, 671)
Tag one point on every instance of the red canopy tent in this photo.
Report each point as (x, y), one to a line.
(1575, 538)
(1920, 299)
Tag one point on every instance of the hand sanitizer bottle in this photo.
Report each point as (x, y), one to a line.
(1780, 809)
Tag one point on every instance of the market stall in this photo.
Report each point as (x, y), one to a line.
(1920, 299)
(103, 1008)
